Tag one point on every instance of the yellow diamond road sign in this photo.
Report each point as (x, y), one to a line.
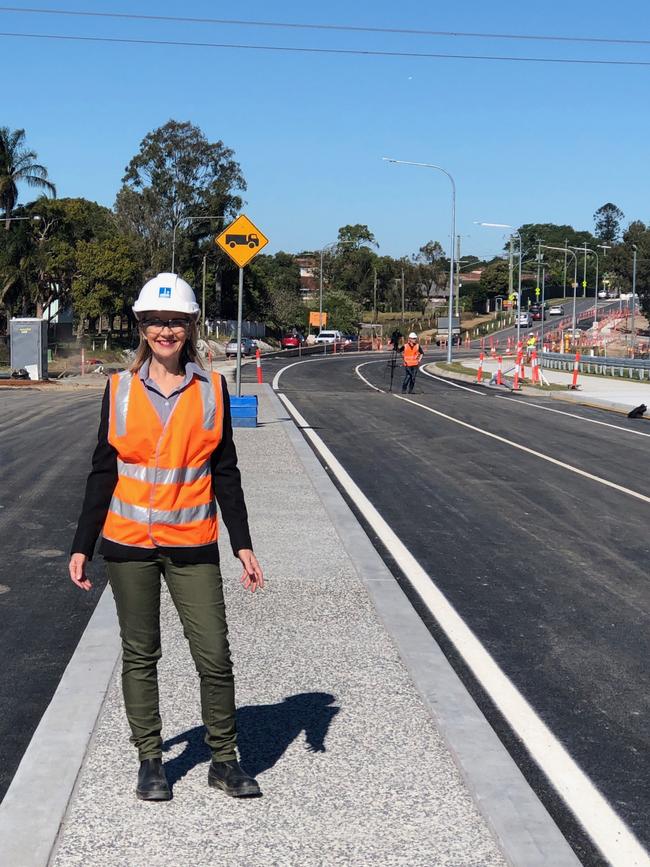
(241, 240)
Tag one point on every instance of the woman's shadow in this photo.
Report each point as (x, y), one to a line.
(264, 732)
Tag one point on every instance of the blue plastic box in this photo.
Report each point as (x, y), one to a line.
(243, 410)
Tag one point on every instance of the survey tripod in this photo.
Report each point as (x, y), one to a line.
(393, 361)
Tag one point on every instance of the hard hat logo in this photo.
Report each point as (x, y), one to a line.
(165, 292)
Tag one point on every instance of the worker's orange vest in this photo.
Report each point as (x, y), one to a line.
(164, 495)
(411, 355)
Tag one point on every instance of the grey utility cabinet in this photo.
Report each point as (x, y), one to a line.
(29, 346)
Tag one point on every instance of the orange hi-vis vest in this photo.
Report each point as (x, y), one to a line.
(164, 495)
(411, 355)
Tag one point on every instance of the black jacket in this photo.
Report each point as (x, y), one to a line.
(103, 478)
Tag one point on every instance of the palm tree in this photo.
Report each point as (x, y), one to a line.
(17, 166)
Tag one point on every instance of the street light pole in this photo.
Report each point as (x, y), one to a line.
(566, 252)
(450, 335)
(634, 247)
(517, 235)
(189, 219)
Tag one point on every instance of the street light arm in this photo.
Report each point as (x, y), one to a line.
(452, 241)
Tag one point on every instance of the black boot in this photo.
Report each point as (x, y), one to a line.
(232, 779)
(152, 782)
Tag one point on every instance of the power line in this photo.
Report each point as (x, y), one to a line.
(309, 50)
(334, 27)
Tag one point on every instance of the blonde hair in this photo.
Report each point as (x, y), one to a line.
(189, 352)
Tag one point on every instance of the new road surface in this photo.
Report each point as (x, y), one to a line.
(528, 521)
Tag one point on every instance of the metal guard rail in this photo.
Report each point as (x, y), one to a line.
(633, 368)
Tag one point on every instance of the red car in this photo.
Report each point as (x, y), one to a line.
(291, 341)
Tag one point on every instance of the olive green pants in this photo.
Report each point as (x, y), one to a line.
(197, 594)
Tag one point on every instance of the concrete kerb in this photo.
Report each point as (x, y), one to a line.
(37, 799)
(525, 832)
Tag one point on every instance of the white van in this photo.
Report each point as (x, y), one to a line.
(329, 337)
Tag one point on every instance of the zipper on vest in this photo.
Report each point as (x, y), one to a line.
(156, 468)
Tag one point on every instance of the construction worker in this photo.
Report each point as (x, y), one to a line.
(531, 344)
(411, 356)
(165, 450)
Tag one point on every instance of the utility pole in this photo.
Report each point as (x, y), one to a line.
(584, 274)
(566, 245)
(402, 295)
(205, 256)
(374, 303)
(539, 265)
(320, 303)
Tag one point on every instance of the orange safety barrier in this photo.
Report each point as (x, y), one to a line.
(479, 372)
(258, 362)
(534, 367)
(576, 366)
(499, 371)
(516, 386)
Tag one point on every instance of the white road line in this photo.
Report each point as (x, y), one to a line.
(331, 357)
(573, 415)
(454, 384)
(537, 454)
(607, 830)
(361, 376)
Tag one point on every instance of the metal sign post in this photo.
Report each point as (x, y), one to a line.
(240, 307)
(242, 241)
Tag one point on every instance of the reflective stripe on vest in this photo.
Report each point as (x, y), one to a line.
(411, 354)
(160, 476)
(143, 515)
(164, 494)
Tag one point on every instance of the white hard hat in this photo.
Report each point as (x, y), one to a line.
(413, 336)
(166, 292)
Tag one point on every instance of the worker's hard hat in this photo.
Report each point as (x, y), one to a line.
(413, 336)
(166, 292)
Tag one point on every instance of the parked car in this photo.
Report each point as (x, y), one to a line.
(248, 347)
(441, 339)
(556, 310)
(329, 337)
(525, 320)
(292, 341)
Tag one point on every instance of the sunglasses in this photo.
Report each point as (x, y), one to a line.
(173, 324)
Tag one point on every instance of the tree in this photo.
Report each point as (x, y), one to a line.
(275, 291)
(107, 276)
(17, 166)
(356, 236)
(343, 313)
(177, 172)
(607, 223)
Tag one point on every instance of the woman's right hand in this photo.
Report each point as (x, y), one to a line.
(77, 568)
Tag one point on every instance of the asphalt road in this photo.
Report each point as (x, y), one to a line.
(548, 567)
(46, 442)
(551, 322)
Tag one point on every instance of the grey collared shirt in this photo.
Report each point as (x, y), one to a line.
(165, 404)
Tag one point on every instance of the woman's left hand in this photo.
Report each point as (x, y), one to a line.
(252, 577)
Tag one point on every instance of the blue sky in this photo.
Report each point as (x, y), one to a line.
(525, 142)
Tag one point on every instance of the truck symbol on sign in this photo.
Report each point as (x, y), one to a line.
(251, 240)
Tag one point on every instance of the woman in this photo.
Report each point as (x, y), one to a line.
(165, 449)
